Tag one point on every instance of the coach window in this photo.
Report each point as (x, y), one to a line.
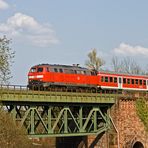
(106, 79)
(140, 82)
(124, 80)
(111, 79)
(133, 81)
(115, 80)
(136, 81)
(102, 79)
(128, 81)
(40, 69)
(144, 82)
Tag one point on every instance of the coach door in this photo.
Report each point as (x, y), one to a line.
(120, 82)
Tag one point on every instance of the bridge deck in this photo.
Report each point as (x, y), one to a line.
(21, 94)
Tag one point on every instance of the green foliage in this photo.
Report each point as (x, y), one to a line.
(142, 111)
(6, 60)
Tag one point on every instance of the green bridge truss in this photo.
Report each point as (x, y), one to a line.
(56, 114)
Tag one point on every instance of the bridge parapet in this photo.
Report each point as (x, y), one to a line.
(23, 94)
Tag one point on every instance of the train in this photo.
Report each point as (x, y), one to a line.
(66, 77)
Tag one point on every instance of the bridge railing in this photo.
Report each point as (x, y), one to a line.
(22, 91)
(13, 92)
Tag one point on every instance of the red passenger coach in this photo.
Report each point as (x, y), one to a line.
(109, 80)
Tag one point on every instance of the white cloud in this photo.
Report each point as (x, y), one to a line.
(25, 28)
(129, 50)
(3, 5)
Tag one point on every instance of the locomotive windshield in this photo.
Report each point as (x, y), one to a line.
(40, 69)
(33, 69)
(36, 69)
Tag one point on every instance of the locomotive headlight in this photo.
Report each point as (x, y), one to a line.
(30, 77)
(39, 76)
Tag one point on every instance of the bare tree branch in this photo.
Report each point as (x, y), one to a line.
(126, 65)
(94, 62)
(6, 60)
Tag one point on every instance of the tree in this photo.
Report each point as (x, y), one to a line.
(116, 64)
(126, 65)
(12, 135)
(6, 60)
(94, 62)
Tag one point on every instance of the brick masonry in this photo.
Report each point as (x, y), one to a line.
(130, 128)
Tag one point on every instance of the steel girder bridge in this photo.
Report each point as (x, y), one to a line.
(57, 114)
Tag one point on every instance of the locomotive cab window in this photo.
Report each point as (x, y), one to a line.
(40, 69)
(33, 69)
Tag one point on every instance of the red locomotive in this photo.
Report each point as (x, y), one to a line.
(62, 76)
(75, 77)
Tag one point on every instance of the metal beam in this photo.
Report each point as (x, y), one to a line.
(45, 114)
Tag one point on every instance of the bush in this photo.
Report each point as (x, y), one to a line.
(142, 111)
(12, 136)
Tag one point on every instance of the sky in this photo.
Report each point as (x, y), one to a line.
(64, 31)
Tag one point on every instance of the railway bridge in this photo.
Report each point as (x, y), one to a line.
(76, 119)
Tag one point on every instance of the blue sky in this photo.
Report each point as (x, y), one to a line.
(64, 32)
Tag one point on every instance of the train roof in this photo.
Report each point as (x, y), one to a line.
(121, 73)
(75, 66)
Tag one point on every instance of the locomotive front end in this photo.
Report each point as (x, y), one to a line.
(35, 77)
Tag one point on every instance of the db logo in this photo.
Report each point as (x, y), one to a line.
(78, 78)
